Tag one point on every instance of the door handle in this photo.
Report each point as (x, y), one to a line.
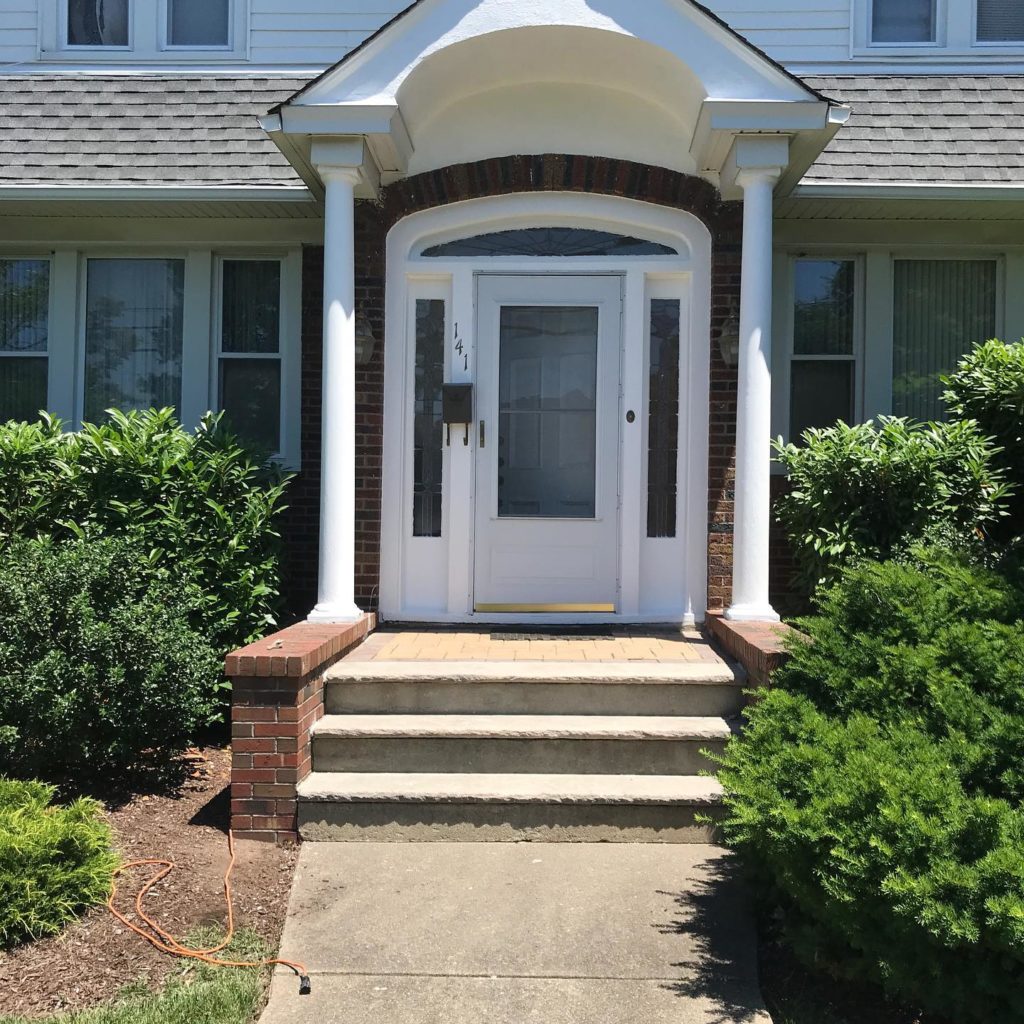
(483, 434)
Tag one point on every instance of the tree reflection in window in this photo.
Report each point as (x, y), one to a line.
(550, 241)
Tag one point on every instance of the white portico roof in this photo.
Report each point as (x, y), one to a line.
(662, 82)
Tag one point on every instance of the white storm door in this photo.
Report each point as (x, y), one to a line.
(548, 382)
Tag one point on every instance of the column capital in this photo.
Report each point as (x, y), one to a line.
(750, 176)
(340, 158)
(756, 159)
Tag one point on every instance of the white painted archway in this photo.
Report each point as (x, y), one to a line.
(659, 579)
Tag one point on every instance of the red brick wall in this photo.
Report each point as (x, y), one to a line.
(545, 173)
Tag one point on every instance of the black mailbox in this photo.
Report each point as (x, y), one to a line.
(457, 403)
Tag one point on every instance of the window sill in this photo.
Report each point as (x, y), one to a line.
(108, 55)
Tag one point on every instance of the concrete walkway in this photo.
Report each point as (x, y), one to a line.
(503, 933)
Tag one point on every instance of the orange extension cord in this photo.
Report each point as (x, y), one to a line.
(166, 942)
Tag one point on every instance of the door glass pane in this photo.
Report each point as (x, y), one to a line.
(250, 395)
(428, 432)
(663, 419)
(823, 310)
(97, 22)
(903, 21)
(1000, 21)
(133, 334)
(197, 22)
(547, 412)
(22, 387)
(941, 310)
(821, 392)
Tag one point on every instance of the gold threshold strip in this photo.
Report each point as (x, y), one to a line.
(539, 609)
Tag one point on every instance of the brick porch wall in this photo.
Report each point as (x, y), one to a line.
(545, 173)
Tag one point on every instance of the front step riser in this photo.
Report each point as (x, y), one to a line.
(512, 823)
(532, 756)
(514, 698)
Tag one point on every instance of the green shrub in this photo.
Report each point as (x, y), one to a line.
(100, 668)
(870, 491)
(196, 502)
(877, 790)
(54, 861)
(988, 386)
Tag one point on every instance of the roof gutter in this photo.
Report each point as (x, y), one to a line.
(159, 193)
(907, 190)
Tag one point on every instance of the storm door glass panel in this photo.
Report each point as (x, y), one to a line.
(822, 367)
(903, 21)
(198, 22)
(663, 419)
(24, 314)
(547, 412)
(941, 310)
(1000, 21)
(428, 430)
(98, 22)
(133, 334)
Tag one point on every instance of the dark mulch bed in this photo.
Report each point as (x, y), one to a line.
(96, 957)
(796, 995)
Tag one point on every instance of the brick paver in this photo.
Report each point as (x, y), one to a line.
(637, 644)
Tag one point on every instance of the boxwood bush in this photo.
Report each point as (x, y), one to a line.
(195, 502)
(54, 861)
(877, 793)
(875, 489)
(100, 667)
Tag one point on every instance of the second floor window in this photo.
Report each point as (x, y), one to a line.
(1000, 21)
(198, 23)
(903, 21)
(149, 26)
(97, 22)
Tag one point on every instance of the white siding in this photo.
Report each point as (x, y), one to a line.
(317, 32)
(18, 30)
(791, 31)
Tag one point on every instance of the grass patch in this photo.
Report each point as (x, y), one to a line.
(197, 994)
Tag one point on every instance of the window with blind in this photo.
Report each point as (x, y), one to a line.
(97, 22)
(24, 316)
(249, 356)
(663, 419)
(823, 363)
(428, 433)
(133, 334)
(199, 23)
(941, 309)
(1000, 21)
(903, 21)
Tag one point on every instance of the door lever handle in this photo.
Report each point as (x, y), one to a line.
(483, 434)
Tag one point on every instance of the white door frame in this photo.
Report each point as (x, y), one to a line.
(661, 580)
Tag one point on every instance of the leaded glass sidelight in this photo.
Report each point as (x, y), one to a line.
(428, 431)
(663, 419)
(549, 241)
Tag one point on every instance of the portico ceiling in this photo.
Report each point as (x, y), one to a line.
(662, 82)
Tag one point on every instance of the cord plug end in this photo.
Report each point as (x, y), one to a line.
(305, 985)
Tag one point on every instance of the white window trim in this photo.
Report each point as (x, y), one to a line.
(147, 36)
(66, 329)
(956, 35)
(41, 257)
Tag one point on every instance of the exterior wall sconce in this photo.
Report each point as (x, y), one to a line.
(366, 341)
(729, 339)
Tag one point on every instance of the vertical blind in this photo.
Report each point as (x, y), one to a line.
(942, 308)
(133, 334)
(903, 21)
(1000, 21)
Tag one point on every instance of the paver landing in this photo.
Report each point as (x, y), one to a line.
(461, 933)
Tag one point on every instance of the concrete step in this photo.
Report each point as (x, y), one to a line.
(535, 688)
(527, 744)
(478, 807)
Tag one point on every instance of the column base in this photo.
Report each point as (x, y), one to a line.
(331, 612)
(752, 613)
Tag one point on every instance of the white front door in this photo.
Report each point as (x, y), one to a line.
(547, 473)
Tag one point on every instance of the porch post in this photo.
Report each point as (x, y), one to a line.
(336, 588)
(754, 400)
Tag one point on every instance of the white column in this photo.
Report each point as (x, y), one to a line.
(336, 592)
(754, 403)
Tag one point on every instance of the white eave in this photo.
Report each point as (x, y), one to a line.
(908, 190)
(159, 193)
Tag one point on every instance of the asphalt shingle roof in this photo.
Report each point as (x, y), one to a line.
(140, 130)
(927, 129)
